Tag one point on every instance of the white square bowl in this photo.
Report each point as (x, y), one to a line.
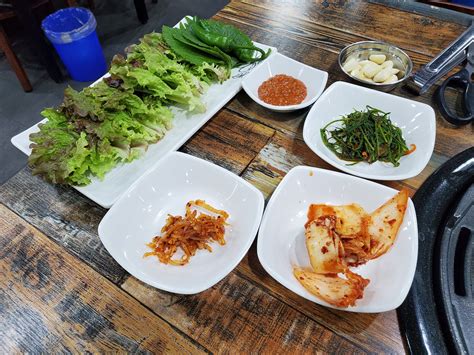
(416, 120)
(314, 79)
(281, 239)
(140, 213)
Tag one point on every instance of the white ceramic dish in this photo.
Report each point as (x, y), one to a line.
(140, 213)
(314, 79)
(105, 192)
(417, 121)
(281, 240)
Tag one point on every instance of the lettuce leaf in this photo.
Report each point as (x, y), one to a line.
(58, 152)
(114, 121)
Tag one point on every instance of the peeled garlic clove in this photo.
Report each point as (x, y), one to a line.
(383, 75)
(378, 58)
(365, 61)
(387, 64)
(395, 71)
(371, 69)
(360, 75)
(393, 78)
(350, 65)
(356, 71)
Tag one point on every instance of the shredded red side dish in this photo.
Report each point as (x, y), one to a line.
(192, 232)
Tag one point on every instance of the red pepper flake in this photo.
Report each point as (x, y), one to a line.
(282, 90)
(411, 150)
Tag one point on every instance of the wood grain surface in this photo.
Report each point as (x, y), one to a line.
(284, 152)
(71, 219)
(229, 140)
(273, 22)
(237, 316)
(61, 291)
(51, 301)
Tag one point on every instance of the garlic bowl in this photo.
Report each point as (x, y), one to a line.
(375, 64)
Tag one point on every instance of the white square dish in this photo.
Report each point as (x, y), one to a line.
(140, 213)
(416, 120)
(281, 239)
(314, 79)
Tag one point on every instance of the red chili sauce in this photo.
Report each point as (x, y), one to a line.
(282, 90)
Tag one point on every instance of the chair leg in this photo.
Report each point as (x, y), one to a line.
(73, 3)
(29, 22)
(51, 7)
(14, 62)
(141, 10)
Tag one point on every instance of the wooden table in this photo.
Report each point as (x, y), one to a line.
(60, 289)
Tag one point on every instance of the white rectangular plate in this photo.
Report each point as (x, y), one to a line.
(105, 192)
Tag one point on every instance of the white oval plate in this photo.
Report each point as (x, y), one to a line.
(314, 79)
(416, 120)
(281, 240)
(140, 213)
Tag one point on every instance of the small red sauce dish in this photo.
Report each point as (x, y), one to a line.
(284, 84)
(282, 90)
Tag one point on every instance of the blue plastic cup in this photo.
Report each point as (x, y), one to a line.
(72, 33)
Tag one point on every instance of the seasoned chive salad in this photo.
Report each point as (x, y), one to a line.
(115, 120)
(366, 135)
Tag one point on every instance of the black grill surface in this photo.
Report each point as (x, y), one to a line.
(438, 314)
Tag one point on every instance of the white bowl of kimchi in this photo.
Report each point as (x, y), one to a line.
(282, 242)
